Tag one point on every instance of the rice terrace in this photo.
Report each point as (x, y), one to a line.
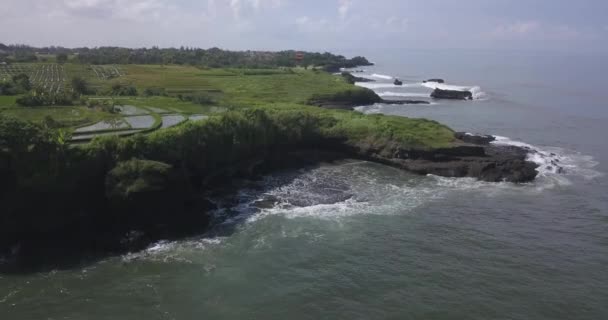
(122, 99)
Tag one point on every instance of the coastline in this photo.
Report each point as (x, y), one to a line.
(118, 195)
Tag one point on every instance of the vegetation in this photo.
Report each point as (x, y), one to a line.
(61, 58)
(198, 98)
(18, 84)
(212, 58)
(136, 176)
(80, 85)
(119, 89)
(155, 91)
(349, 97)
(37, 98)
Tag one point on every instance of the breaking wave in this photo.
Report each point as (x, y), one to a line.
(403, 94)
(382, 76)
(478, 94)
(556, 165)
(385, 85)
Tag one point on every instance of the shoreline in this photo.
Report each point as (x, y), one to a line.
(120, 194)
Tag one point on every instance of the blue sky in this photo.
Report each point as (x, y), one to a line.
(539, 25)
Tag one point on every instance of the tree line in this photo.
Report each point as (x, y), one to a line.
(212, 58)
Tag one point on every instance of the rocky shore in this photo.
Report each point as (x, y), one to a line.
(130, 217)
(471, 156)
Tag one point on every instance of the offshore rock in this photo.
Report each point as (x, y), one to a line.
(452, 94)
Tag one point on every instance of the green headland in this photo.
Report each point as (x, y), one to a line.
(99, 142)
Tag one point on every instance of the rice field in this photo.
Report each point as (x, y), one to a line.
(90, 136)
(172, 120)
(50, 77)
(140, 122)
(227, 89)
(107, 72)
(129, 110)
(197, 117)
(113, 124)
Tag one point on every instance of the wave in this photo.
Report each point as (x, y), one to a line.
(385, 85)
(180, 251)
(555, 164)
(382, 76)
(403, 94)
(478, 94)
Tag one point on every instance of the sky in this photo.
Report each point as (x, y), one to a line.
(535, 25)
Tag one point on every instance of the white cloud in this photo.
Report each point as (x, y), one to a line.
(521, 28)
(239, 6)
(397, 23)
(534, 30)
(344, 7)
(310, 25)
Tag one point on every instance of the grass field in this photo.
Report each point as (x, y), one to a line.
(226, 89)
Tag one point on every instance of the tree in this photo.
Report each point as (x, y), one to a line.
(17, 136)
(22, 82)
(62, 58)
(80, 85)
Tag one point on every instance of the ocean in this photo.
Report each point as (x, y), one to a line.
(357, 240)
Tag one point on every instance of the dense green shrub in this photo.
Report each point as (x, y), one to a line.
(119, 89)
(155, 91)
(137, 176)
(80, 85)
(198, 98)
(37, 98)
(17, 85)
(358, 96)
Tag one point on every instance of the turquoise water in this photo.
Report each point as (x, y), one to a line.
(355, 240)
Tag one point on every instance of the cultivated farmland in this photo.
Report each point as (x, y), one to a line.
(49, 77)
(107, 72)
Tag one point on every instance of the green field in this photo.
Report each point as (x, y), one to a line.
(225, 89)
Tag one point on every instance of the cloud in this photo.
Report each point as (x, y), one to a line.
(397, 23)
(535, 31)
(240, 6)
(284, 24)
(307, 24)
(521, 28)
(344, 7)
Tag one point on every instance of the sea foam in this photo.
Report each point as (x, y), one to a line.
(382, 76)
(556, 165)
(478, 94)
(403, 94)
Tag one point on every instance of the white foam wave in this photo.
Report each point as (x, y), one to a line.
(404, 94)
(555, 165)
(382, 76)
(173, 251)
(321, 211)
(478, 94)
(385, 85)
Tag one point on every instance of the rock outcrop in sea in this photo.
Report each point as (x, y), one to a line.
(350, 78)
(469, 156)
(452, 94)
